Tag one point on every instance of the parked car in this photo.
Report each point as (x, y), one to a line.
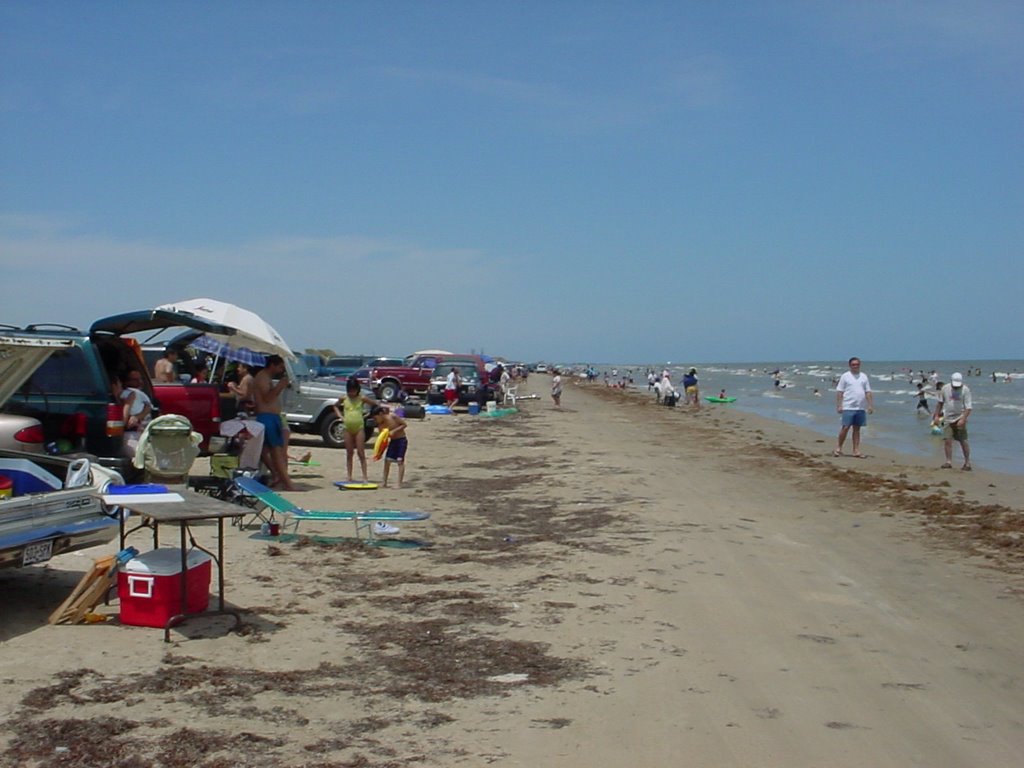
(55, 504)
(469, 383)
(414, 377)
(69, 393)
(313, 362)
(342, 367)
(21, 433)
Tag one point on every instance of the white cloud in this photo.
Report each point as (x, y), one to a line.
(371, 292)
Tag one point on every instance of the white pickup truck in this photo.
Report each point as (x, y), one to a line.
(50, 504)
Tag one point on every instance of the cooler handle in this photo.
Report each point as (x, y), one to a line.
(140, 586)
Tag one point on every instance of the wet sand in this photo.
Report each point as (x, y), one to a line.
(613, 583)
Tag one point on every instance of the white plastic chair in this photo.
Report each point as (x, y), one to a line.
(511, 393)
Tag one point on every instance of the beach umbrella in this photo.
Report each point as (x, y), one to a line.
(221, 349)
(252, 332)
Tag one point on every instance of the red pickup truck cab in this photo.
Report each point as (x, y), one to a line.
(414, 377)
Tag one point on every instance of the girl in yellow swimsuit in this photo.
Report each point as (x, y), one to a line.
(351, 414)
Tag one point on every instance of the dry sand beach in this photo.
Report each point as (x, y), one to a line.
(615, 583)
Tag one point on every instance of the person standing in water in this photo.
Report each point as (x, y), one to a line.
(922, 399)
(955, 406)
(690, 388)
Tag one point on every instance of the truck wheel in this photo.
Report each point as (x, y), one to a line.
(333, 432)
(434, 398)
(389, 391)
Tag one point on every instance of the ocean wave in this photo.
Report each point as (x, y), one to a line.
(1010, 407)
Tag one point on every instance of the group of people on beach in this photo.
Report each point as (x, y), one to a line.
(854, 401)
(666, 394)
(259, 393)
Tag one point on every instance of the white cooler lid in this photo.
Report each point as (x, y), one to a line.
(164, 561)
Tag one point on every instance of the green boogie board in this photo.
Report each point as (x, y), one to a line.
(720, 399)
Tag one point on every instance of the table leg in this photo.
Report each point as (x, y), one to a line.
(220, 561)
(183, 606)
(184, 615)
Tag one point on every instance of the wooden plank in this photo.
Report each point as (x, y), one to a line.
(92, 597)
(100, 572)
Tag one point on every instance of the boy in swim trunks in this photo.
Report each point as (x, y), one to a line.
(398, 445)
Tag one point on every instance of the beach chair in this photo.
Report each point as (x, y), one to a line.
(167, 449)
(292, 514)
(511, 393)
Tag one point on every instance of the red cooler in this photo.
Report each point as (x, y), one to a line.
(149, 586)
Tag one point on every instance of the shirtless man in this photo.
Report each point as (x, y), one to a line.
(267, 396)
(163, 369)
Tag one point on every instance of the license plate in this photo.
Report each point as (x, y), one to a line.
(39, 552)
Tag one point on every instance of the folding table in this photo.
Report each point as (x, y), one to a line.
(192, 508)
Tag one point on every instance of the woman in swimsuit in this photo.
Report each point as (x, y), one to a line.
(351, 414)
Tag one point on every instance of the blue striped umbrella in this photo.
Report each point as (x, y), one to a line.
(222, 349)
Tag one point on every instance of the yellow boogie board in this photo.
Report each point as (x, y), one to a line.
(356, 485)
(381, 446)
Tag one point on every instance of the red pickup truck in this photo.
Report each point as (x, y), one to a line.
(414, 377)
(199, 403)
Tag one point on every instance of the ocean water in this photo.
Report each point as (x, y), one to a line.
(996, 424)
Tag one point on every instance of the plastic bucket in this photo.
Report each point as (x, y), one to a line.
(491, 406)
(474, 408)
(6, 487)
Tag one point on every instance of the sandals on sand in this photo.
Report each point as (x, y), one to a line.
(966, 468)
(837, 453)
(947, 465)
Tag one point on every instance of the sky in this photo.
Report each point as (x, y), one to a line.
(561, 181)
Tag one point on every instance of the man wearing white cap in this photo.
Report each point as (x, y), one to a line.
(955, 405)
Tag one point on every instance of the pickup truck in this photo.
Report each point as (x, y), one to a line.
(54, 504)
(70, 391)
(414, 377)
